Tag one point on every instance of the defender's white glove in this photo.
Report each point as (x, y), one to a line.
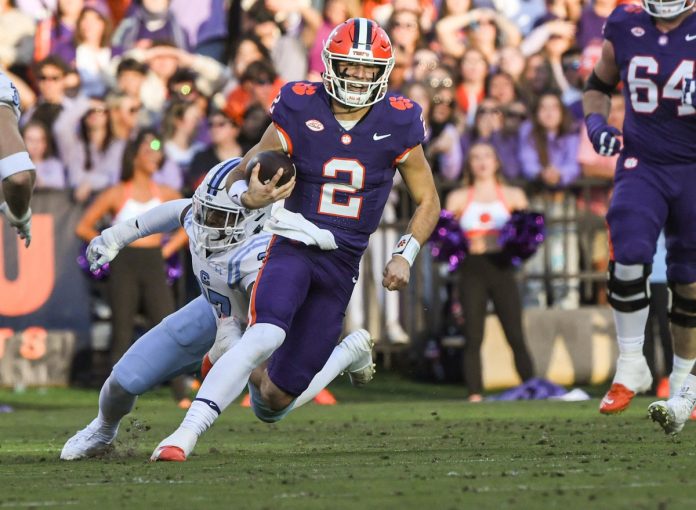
(99, 253)
(689, 92)
(22, 225)
(104, 248)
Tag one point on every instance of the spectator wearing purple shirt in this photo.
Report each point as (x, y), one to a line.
(548, 153)
(205, 24)
(57, 31)
(149, 22)
(50, 172)
(592, 21)
(549, 144)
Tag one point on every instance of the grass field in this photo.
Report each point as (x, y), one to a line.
(393, 445)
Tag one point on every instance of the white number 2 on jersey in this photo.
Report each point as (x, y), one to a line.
(327, 203)
(672, 89)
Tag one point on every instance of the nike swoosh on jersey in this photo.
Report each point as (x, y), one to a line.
(690, 37)
(377, 137)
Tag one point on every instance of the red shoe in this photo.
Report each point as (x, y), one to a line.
(246, 401)
(616, 400)
(169, 454)
(325, 398)
(184, 403)
(663, 388)
(206, 365)
(693, 415)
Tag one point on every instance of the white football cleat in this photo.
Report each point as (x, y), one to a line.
(91, 441)
(176, 447)
(671, 415)
(359, 343)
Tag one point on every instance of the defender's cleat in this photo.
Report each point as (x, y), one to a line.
(362, 369)
(246, 401)
(671, 415)
(91, 441)
(206, 365)
(168, 454)
(616, 400)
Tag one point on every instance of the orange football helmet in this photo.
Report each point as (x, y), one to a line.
(357, 41)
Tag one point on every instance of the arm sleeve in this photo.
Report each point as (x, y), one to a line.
(163, 218)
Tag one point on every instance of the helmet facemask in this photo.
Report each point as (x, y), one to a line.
(355, 92)
(217, 227)
(667, 9)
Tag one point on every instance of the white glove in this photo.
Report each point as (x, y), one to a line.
(99, 253)
(106, 246)
(22, 225)
(689, 92)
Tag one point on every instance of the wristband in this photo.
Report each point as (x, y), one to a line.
(15, 163)
(408, 248)
(237, 190)
(14, 220)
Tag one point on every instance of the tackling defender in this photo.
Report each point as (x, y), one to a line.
(651, 49)
(347, 136)
(227, 248)
(16, 169)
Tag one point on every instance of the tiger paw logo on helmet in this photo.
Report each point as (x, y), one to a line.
(302, 89)
(400, 103)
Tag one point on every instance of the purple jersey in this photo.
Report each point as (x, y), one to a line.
(653, 65)
(344, 176)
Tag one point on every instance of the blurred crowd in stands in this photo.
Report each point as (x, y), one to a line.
(203, 73)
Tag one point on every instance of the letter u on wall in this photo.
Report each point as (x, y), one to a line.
(36, 269)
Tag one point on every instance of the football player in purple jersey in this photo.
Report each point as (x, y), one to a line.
(346, 136)
(650, 49)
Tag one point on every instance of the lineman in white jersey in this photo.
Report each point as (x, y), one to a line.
(16, 169)
(227, 247)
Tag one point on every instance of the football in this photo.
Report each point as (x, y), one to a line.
(271, 162)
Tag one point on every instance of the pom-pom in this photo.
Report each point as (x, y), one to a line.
(522, 235)
(447, 242)
(175, 268)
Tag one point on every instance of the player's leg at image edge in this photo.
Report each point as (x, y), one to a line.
(673, 413)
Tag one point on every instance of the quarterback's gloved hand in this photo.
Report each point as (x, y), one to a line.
(100, 253)
(689, 92)
(22, 225)
(604, 137)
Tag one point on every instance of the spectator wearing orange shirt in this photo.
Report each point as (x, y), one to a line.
(259, 84)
